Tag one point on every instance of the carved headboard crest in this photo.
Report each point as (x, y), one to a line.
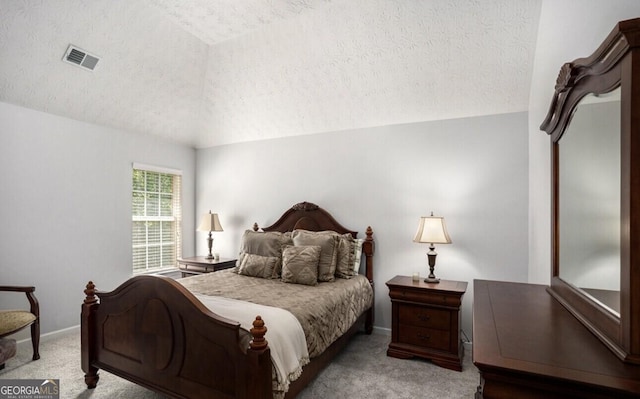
(305, 206)
(307, 216)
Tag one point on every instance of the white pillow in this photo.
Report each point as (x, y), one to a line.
(357, 255)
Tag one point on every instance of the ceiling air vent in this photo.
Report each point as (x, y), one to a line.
(81, 58)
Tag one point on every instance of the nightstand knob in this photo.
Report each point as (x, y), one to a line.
(424, 337)
(424, 317)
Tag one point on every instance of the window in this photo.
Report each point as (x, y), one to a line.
(156, 218)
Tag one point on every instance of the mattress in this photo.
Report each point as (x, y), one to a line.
(325, 311)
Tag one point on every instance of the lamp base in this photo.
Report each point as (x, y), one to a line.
(210, 257)
(431, 256)
(210, 245)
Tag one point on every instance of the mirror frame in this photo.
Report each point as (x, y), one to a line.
(615, 63)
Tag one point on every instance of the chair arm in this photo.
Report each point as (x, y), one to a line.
(17, 288)
(28, 290)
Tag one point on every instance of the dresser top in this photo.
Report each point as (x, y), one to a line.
(522, 328)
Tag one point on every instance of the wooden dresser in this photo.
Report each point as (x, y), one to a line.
(425, 320)
(527, 345)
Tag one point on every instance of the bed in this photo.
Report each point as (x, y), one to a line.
(158, 333)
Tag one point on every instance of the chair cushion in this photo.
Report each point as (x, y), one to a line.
(13, 320)
(7, 349)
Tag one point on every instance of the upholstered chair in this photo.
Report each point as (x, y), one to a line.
(12, 321)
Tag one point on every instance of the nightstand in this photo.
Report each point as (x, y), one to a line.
(425, 320)
(200, 265)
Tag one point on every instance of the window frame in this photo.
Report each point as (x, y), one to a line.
(176, 218)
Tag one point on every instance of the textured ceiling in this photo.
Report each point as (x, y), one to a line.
(219, 20)
(214, 72)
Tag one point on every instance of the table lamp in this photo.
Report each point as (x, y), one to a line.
(210, 222)
(432, 230)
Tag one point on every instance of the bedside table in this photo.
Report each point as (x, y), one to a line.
(425, 320)
(200, 265)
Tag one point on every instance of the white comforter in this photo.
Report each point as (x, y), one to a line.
(286, 338)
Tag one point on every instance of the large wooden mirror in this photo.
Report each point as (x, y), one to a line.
(594, 123)
(589, 200)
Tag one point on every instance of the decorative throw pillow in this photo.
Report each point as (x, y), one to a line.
(300, 264)
(328, 254)
(269, 243)
(257, 265)
(345, 253)
(346, 256)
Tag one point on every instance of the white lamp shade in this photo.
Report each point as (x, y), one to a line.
(432, 230)
(210, 222)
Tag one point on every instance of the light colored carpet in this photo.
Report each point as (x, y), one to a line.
(362, 370)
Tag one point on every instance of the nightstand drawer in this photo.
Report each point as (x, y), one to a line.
(421, 316)
(426, 337)
(432, 298)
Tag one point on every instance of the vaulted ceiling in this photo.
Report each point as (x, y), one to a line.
(215, 72)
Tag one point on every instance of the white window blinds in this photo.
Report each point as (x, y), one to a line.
(156, 218)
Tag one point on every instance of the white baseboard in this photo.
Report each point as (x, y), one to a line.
(382, 331)
(50, 335)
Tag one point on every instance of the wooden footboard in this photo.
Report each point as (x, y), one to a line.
(154, 332)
